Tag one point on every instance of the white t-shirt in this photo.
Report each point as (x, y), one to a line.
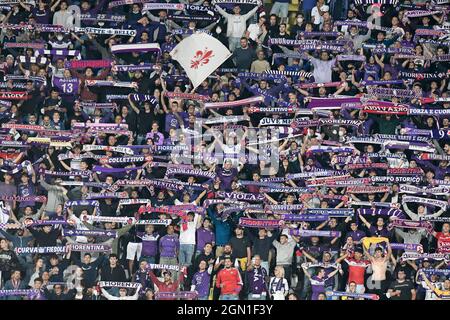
(318, 19)
(322, 69)
(277, 289)
(430, 295)
(188, 236)
(254, 31)
(4, 217)
(63, 18)
(4, 212)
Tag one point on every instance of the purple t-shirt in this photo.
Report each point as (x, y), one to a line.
(158, 138)
(67, 86)
(226, 176)
(317, 286)
(171, 122)
(356, 235)
(201, 282)
(38, 295)
(24, 190)
(374, 232)
(256, 280)
(204, 236)
(149, 244)
(392, 70)
(371, 70)
(41, 16)
(169, 244)
(8, 190)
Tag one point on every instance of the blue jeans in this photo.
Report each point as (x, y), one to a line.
(251, 297)
(186, 253)
(233, 43)
(229, 297)
(281, 9)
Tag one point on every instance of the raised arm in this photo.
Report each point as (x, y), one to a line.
(65, 165)
(272, 200)
(53, 7)
(342, 258)
(331, 274)
(322, 225)
(366, 223)
(400, 233)
(249, 14)
(222, 12)
(154, 278)
(108, 296)
(133, 105)
(305, 271)
(307, 255)
(437, 214)
(389, 251)
(366, 252)
(411, 214)
(47, 186)
(25, 6)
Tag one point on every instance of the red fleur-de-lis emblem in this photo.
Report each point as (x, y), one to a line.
(201, 58)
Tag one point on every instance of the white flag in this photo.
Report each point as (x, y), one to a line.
(200, 55)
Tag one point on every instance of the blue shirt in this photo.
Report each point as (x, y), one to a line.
(222, 228)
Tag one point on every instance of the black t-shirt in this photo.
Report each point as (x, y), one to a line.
(340, 227)
(145, 120)
(108, 210)
(130, 119)
(239, 246)
(49, 102)
(32, 105)
(262, 247)
(405, 287)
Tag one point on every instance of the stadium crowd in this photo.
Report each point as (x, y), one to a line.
(313, 164)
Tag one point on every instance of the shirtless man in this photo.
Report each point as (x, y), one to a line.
(379, 266)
